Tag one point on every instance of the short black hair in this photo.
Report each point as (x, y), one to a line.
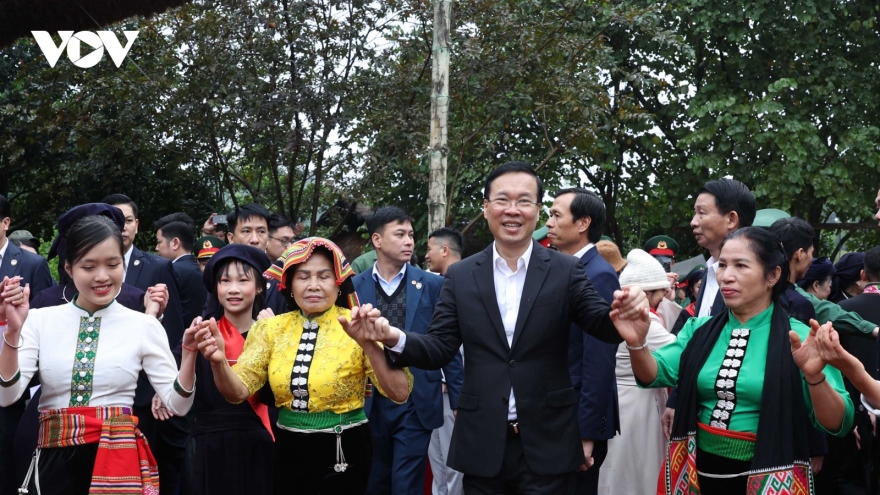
(385, 215)
(178, 225)
(586, 204)
(872, 264)
(5, 208)
(453, 238)
(277, 221)
(732, 195)
(121, 199)
(222, 268)
(509, 168)
(246, 212)
(768, 249)
(794, 233)
(88, 232)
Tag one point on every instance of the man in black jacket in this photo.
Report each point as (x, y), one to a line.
(512, 306)
(175, 235)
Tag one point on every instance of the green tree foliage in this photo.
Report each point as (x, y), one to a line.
(303, 105)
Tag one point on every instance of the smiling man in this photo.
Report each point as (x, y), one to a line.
(512, 306)
(406, 296)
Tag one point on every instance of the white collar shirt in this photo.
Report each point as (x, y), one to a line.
(582, 251)
(509, 286)
(389, 286)
(127, 257)
(3, 249)
(709, 290)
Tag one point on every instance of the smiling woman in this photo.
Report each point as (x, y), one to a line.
(63, 344)
(750, 381)
(317, 362)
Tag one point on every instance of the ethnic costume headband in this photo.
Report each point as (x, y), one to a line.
(302, 250)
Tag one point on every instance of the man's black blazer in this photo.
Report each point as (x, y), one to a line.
(190, 286)
(146, 270)
(556, 293)
(32, 268)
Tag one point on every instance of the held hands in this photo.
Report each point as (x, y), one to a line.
(828, 345)
(189, 336)
(155, 300)
(159, 410)
(265, 313)
(806, 354)
(211, 343)
(14, 303)
(629, 312)
(368, 325)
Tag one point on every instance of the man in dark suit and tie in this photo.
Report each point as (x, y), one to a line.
(175, 235)
(575, 225)
(34, 271)
(512, 306)
(406, 295)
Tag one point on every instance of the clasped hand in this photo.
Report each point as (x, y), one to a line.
(821, 347)
(14, 302)
(368, 325)
(629, 312)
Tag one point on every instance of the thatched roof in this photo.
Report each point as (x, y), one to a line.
(19, 17)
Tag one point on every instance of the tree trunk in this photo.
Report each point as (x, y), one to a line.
(439, 109)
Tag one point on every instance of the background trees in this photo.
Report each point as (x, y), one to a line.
(304, 105)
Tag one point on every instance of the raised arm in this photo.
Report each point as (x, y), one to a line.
(828, 405)
(15, 348)
(633, 329)
(213, 347)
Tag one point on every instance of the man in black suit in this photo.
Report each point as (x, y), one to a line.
(722, 206)
(249, 224)
(175, 235)
(512, 306)
(575, 225)
(853, 466)
(33, 269)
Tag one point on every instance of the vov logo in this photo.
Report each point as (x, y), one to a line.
(99, 41)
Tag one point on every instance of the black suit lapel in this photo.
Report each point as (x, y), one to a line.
(539, 265)
(702, 292)
(484, 276)
(134, 266)
(8, 268)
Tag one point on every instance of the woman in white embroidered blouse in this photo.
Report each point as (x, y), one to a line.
(88, 354)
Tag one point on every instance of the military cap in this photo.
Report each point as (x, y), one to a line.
(206, 246)
(661, 245)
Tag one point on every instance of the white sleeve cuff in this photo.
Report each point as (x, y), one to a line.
(401, 343)
(869, 407)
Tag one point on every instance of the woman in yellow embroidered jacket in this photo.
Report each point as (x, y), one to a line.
(317, 364)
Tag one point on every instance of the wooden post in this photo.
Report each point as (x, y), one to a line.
(439, 109)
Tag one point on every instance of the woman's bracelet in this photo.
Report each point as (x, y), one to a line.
(20, 342)
(817, 383)
(190, 350)
(638, 348)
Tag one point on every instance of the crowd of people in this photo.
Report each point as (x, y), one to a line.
(246, 359)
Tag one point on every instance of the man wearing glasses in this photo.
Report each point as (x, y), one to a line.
(512, 306)
(281, 236)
